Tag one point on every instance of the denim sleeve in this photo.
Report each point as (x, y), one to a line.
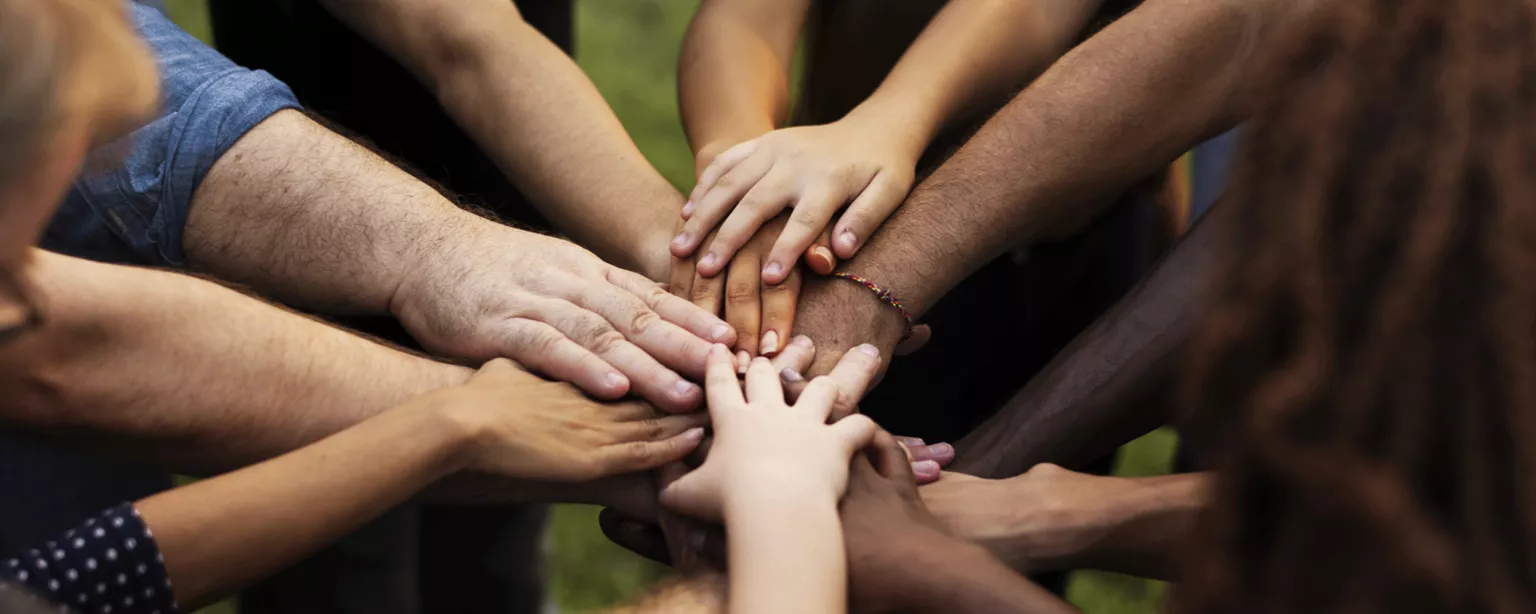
(131, 203)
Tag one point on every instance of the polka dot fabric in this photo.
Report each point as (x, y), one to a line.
(109, 565)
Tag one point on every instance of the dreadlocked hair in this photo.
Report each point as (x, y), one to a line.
(1368, 355)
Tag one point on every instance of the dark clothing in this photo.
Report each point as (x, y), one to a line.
(109, 565)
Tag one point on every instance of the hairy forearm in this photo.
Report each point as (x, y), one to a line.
(1112, 111)
(190, 375)
(312, 219)
(733, 76)
(537, 115)
(972, 54)
(221, 534)
(1112, 383)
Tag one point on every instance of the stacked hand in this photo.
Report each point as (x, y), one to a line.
(517, 425)
(762, 443)
(816, 170)
(558, 309)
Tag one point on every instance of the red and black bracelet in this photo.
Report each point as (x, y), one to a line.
(885, 296)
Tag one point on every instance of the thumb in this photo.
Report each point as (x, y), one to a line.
(692, 495)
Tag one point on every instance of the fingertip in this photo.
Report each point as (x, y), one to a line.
(774, 273)
(820, 260)
(614, 385)
(926, 472)
(687, 209)
(845, 244)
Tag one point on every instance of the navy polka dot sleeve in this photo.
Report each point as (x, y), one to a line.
(109, 565)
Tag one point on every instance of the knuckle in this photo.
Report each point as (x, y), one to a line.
(643, 320)
(639, 453)
(809, 223)
(607, 341)
(737, 293)
(652, 429)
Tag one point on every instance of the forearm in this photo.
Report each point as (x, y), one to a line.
(972, 54)
(1114, 382)
(1112, 111)
(191, 375)
(310, 218)
(786, 555)
(537, 115)
(222, 534)
(733, 76)
(1152, 522)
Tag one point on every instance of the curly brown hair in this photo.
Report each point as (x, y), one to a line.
(1368, 356)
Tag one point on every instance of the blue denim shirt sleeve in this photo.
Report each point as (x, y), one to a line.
(131, 203)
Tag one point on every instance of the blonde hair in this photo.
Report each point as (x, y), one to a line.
(64, 59)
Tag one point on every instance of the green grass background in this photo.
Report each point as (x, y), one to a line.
(629, 48)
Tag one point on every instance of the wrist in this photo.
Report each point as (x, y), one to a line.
(902, 126)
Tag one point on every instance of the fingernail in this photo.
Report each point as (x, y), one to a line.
(869, 349)
(681, 240)
(709, 260)
(614, 380)
(926, 466)
(789, 375)
(822, 254)
(770, 344)
(772, 270)
(909, 442)
(942, 449)
(719, 332)
(687, 209)
(696, 433)
(682, 389)
(846, 240)
(743, 359)
(801, 341)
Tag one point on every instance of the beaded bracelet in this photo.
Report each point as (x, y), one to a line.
(885, 296)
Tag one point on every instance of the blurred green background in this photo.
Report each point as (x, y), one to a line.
(629, 48)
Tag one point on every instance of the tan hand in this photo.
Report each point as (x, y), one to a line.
(522, 426)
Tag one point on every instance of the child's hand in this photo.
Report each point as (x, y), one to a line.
(816, 170)
(765, 446)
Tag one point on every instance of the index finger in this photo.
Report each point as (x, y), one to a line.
(674, 309)
(721, 387)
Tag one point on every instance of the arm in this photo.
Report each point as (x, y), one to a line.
(1114, 109)
(1113, 383)
(218, 535)
(304, 215)
(973, 53)
(194, 375)
(534, 112)
(1053, 519)
(733, 76)
(785, 553)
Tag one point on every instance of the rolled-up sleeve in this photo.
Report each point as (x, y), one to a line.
(140, 190)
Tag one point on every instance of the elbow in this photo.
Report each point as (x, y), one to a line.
(33, 394)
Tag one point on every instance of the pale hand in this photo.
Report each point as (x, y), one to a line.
(763, 444)
(559, 310)
(816, 170)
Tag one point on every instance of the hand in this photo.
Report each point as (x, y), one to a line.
(762, 444)
(762, 314)
(887, 529)
(1047, 519)
(814, 169)
(557, 309)
(520, 426)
